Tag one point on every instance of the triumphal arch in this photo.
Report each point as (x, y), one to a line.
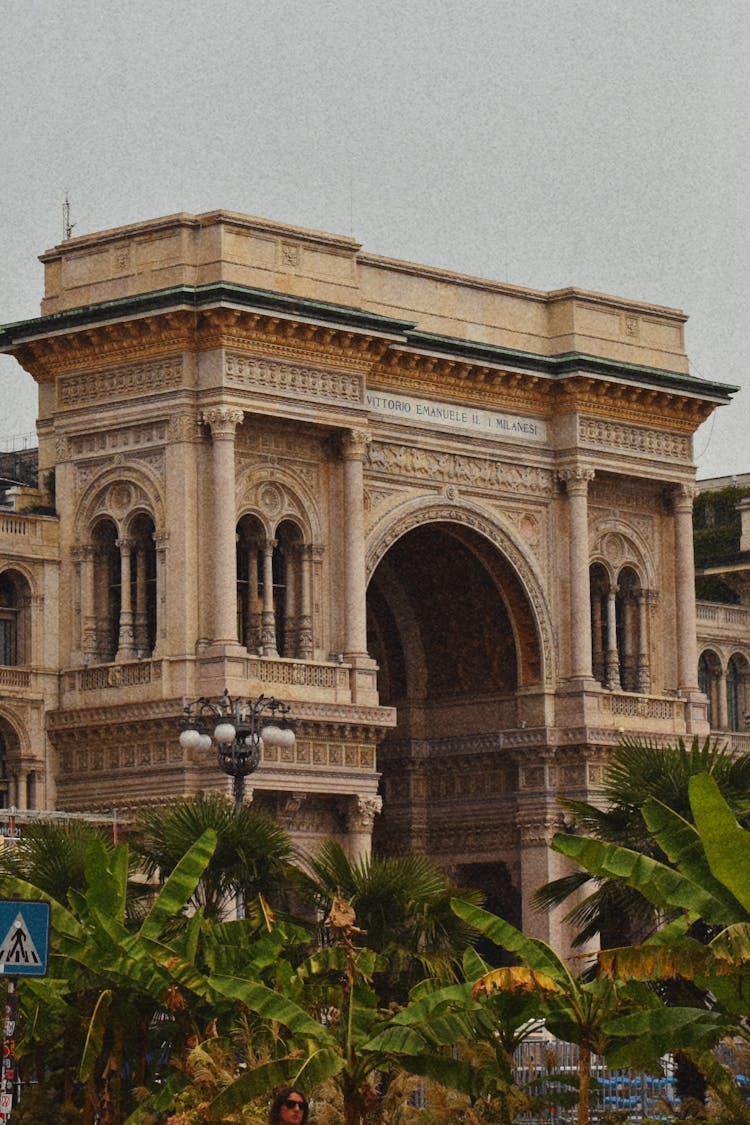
(448, 520)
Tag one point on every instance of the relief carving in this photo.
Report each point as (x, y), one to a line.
(478, 472)
(120, 382)
(633, 439)
(293, 379)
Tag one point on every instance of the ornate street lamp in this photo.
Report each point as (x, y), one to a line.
(236, 728)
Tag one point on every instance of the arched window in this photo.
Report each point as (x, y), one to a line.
(107, 589)
(287, 585)
(599, 586)
(250, 539)
(15, 624)
(704, 683)
(733, 696)
(628, 628)
(143, 583)
(273, 590)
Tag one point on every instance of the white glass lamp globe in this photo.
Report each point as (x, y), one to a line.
(190, 739)
(205, 742)
(224, 733)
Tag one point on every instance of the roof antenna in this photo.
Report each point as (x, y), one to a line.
(67, 225)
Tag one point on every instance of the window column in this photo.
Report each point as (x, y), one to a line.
(223, 421)
(125, 641)
(613, 659)
(305, 635)
(644, 666)
(268, 614)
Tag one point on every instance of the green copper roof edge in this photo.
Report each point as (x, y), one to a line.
(564, 363)
(197, 296)
(349, 316)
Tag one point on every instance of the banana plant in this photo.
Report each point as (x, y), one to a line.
(330, 1026)
(574, 1010)
(704, 898)
(107, 982)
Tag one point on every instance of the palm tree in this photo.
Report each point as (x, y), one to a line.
(402, 904)
(640, 769)
(252, 858)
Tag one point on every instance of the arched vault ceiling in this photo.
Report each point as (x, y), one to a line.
(445, 597)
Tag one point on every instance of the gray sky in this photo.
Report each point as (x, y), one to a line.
(595, 143)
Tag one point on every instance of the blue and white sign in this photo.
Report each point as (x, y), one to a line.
(24, 938)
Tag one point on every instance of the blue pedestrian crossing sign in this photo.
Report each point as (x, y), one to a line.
(24, 938)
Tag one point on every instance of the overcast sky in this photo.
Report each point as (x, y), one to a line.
(548, 143)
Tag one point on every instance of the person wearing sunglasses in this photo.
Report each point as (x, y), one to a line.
(289, 1107)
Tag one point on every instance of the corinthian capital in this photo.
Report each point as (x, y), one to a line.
(575, 478)
(362, 812)
(223, 420)
(685, 494)
(354, 444)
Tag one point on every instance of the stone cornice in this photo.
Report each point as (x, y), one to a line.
(394, 353)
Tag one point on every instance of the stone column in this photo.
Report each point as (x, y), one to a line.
(252, 615)
(577, 483)
(721, 700)
(687, 645)
(106, 642)
(305, 634)
(161, 540)
(88, 599)
(354, 450)
(268, 614)
(126, 642)
(613, 662)
(291, 599)
(644, 665)
(360, 819)
(141, 609)
(223, 421)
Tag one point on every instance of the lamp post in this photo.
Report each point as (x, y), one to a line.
(236, 729)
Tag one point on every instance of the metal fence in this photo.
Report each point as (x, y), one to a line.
(545, 1065)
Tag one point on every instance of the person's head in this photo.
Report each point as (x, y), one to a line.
(289, 1107)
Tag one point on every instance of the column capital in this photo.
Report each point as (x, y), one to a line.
(354, 444)
(361, 812)
(223, 420)
(575, 478)
(684, 495)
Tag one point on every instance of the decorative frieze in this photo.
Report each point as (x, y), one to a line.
(299, 381)
(116, 438)
(127, 381)
(478, 473)
(640, 440)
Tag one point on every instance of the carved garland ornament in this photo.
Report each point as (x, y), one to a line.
(633, 439)
(288, 378)
(120, 382)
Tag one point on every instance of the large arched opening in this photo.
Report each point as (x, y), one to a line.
(455, 636)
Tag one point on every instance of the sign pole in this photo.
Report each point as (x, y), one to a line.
(8, 1074)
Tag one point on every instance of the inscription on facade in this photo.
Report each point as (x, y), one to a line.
(449, 416)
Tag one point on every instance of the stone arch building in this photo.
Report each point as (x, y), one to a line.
(447, 519)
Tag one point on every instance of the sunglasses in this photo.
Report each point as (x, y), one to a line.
(293, 1104)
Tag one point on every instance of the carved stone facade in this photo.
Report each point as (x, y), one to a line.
(447, 520)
